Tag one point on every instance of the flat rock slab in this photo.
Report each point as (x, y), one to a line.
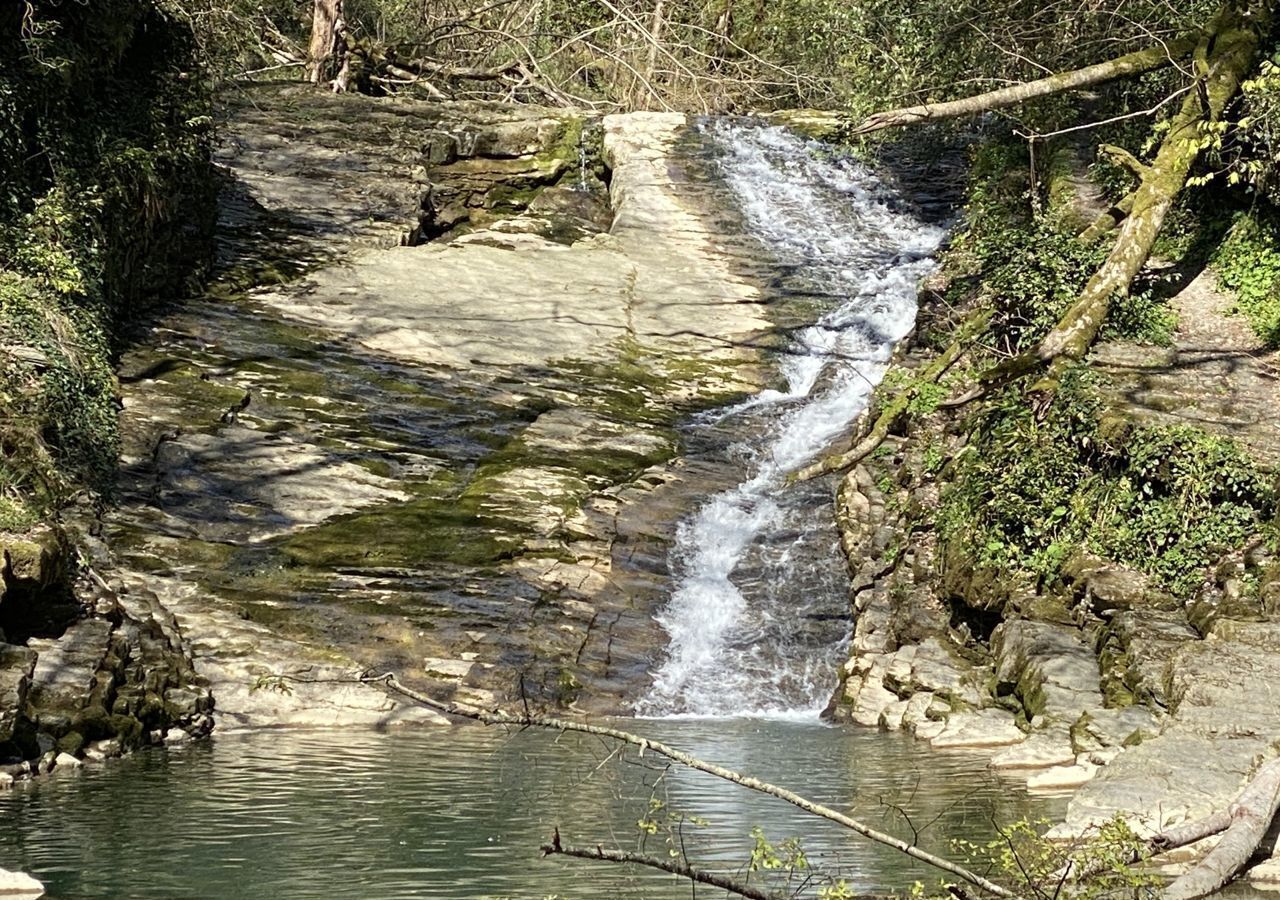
(1042, 750)
(507, 301)
(1226, 691)
(260, 679)
(978, 730)
(371, 462)
(240, 484)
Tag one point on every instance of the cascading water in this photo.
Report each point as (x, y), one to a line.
(758, 619)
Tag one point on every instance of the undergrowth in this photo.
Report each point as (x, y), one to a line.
(1168, 500)
(106, 201)
(1031, 267)
(1248, 264)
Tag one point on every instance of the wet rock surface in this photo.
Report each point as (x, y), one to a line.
(462, 461)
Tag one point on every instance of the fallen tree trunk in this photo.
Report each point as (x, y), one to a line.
(1129, 64)
(497, 717)
(1108, 221)
(1246, 822)
(1226, 53)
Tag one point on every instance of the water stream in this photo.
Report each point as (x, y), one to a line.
(757, 618)
(757, 610)
(459, 814)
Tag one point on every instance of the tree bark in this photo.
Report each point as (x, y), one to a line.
(1108, 220)
(323, 56)
(1249, 816)
(655, 39)
(1129, 64)
(1228, 49)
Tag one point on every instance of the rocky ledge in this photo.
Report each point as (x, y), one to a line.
(85, 672)
(1101, 682)
(427, 420)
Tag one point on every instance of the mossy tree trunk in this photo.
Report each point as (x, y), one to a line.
(1223, 57)
(1129, 64)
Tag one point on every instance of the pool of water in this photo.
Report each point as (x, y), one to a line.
(461, 812)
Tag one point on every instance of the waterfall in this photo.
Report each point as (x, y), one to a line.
(758, 617)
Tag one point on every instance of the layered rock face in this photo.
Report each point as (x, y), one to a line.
(457, 459)
(86, 671)
(1100, 681)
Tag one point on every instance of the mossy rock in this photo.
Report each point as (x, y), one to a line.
(39, 559)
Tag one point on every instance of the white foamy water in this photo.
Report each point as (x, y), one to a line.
(758, 618)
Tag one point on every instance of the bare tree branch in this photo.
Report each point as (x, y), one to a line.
(1129, 64)
(674, 866)
(497, 717)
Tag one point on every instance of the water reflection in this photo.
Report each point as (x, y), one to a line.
(460, 813)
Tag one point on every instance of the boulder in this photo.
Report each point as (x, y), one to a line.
(16, 666)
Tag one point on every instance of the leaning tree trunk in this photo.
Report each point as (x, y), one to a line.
(1245, 822)
(1224, 58)
(325, 52)
(1129, 64)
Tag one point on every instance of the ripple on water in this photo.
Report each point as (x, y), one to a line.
(459, 813)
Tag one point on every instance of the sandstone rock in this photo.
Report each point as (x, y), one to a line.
(892, 715)
(6, 781)
(1062, 777)
(1048, 667)
(245, 484)
(1041, 750)
(109, 748)
(1109, 728)
(917, 709)
(871, 702)
(1266, 874)
(935, 669)
(66, 761)
(1209, 745)
(927, 731)
(448, 668)
(37, 559)
(981, 729)
(1109, 586)
(16, 667)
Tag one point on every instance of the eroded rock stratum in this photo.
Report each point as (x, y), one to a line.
(457, 458)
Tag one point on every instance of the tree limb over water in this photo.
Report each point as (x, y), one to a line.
(497, 717)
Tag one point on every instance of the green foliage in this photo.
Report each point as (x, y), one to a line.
(1248, 263)
(926, 394)
(1105, 863)
(1031, 268)
(1246, 151)
(1166, 499)
(106, 199)
(787, 856)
